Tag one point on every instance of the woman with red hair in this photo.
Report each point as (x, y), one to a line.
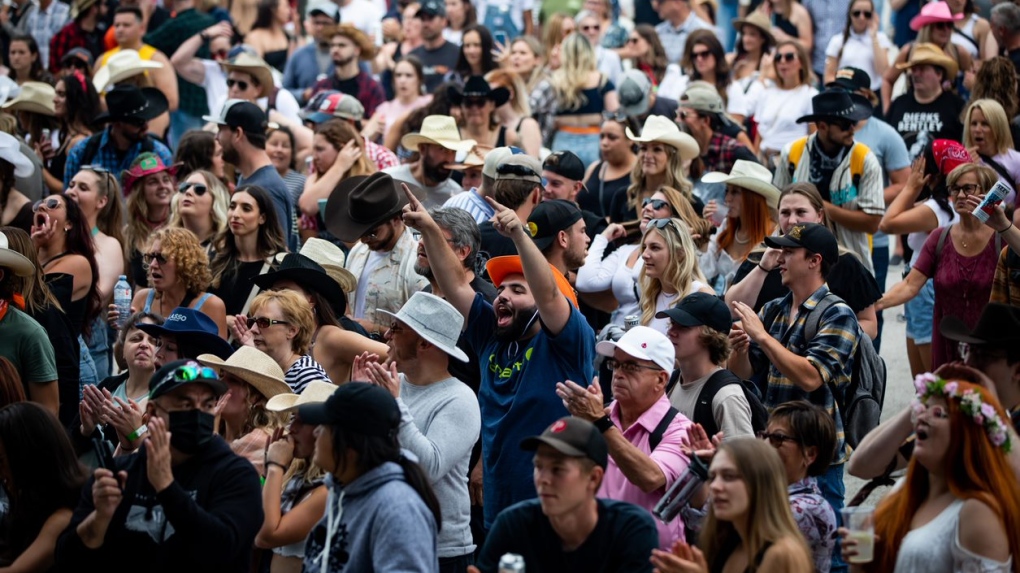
(959, 509)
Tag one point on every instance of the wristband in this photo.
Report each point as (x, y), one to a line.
(763, 268)
(277, 464)
(603, 424)
(138, 433)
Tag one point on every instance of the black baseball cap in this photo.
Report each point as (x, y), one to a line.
(811, 236)
(242, 114)
(173, 375)
(565, 164)
(700, 309)
(572, 436)
(551, 217)
(358, 406)
(851, 79)
(432, 8)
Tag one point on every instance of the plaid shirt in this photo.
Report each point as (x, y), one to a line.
(723, 151)
(370, 93)
(44, 25)
(831, 352)
(381, 156)
(73, 36)
(109, 157)
(1006, 282)
(167, 38)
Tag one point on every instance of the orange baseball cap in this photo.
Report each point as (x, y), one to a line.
(500, 267)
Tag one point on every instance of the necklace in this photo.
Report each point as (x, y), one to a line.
(736, 237)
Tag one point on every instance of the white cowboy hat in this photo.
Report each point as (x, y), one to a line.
(438, 130)
(663, 130)
(748, 175)
(254, 66)
(433, 319)
(14, 260)
(331, 258)
(314, 393)
(121, 66)
(254, 367)
(8, 89)
(36, 97)
(10, 151)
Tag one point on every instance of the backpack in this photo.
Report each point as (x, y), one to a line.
(704, 415)
(858, 153)
(944, 234)
(93, 142)
(860, 405)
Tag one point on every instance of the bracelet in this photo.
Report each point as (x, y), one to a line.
(603, 424)
(763, 268)
(1006, 229)
(277, 464)
(138, 433)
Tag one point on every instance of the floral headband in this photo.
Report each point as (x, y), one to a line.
(985, 415)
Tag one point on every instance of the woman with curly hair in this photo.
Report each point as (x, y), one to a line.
(646, 53)
(200, 206)
(179, 275)
(75, 124)
(959, 507)
(149, 185)
(670, 270)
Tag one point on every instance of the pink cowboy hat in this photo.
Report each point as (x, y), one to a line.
(933, 13)
(145, 164)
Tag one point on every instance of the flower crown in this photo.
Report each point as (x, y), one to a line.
(985, 415)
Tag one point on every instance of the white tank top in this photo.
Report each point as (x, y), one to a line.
(963, 36)
(935, 548)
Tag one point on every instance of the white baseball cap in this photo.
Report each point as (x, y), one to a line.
(642, 343)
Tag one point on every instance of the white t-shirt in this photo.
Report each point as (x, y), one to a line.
(777, 110)
(215, 85)
(916, 240)
(674, 85)
(364, 15)
(665, 301)
(858, 53)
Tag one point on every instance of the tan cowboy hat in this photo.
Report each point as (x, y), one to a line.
(759, 20)
(663, 130)
(121, 66)
(254, 66)
(748, 175)
(923, 53)
(14, 260)
(36, 97)
(316, 392)
(254, 367)
(438, 130)
(360, 39)
(475, 159)
(331, 258)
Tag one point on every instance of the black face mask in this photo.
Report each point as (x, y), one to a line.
(190, 430)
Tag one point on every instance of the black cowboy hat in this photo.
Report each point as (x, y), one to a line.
(309, 274)
(126, 102)
(999, 325)
(362, 202)
(476, 86)
(835, 104)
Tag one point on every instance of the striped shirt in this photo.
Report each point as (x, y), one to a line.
(473, 203)
(305, 370)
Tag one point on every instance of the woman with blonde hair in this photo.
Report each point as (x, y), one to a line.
(787, 96)
(526, 59)
(554, 32)
(670, 269)
(200, 206)
(515, 114)
(986, 133)
(149, 186)
(749, 526)
(338, 152)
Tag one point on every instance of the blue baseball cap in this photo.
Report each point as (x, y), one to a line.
(195, 332)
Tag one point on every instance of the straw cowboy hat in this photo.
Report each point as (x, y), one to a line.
(36, 97)
(254, 367)
(748, 175)
(315, 392)
(254, 66)
(661, 130)
(475, 159)
(926, 53)
(121, 66)
(352, 33)
(759, 20)
(934, 13)
(11, 259)
(438, 130)
(331, 258)
(433, 319)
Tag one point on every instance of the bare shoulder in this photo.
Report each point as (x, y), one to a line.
(981, 531)
(787, 555)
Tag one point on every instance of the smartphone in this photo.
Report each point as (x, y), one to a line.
(501, 38)
(103, 451)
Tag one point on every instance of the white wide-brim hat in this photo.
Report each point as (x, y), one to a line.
(439, 130)
(317, 391)
(663, 130)
(433, 319)
(748, 175)
(14, 260)
(10, 151)
(121, 66)
(36, 97)
(254, 367)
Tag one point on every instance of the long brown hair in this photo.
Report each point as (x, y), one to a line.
(37, 293)
(338, 132)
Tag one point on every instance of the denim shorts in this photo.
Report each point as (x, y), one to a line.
(585, 146)
(919, 311)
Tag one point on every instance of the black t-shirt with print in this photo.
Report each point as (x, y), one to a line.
(919, 123)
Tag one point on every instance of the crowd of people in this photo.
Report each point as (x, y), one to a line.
(443, 286)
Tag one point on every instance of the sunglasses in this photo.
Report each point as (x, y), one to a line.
(866, 14)
(187, 373)
(700, 55)
(474, 102)
(942, 26)
(788, 57)
(46, 205)
(842, 124)
(660, 224)
(519, 170)
(591, 27)
(147, 258)
(656, 204)
(776, 439)
(199, 188)
(241, 84)
(615, 116)
(264, 322)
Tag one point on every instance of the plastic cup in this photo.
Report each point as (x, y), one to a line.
(721, 210)
(860, 521)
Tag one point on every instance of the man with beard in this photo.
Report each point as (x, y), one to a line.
(116, 147)
(184, 502)
(348, 46)
(438, 57)
(558, 229)
(437, 144)
(242, 134)
(532, 336)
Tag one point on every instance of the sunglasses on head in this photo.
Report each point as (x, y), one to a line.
(188, 373)
(46, 204)
(147, 258)
(200, 188)
(659, 223)
(513, 169)
(862, 14)
(264, 322)
(656, 204)
(788, 56)
(241, 84)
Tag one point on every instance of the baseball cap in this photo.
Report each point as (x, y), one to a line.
(851, 79)
(700, 309)
(811, 236)
(565, 164)
(242, 114)
(335, 104)
(328, 9)
(549, 218)
(357, 406)
(178, 373)
(634, 91)
(519, 167)
(643, 343)
(574, 437)
(702, 96)
(495, 157)
(432, 8)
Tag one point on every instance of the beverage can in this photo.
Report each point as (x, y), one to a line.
(511, 563)
(630, 321)
(995, 195)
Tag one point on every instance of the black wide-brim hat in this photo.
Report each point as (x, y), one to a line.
(999, 326)
(309, 274)
(476, 86)
(126, 102)
(835, 104)
(362, 202)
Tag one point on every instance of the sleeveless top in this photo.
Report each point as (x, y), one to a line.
(935, 548)
(294, 492)
(963, 36)
(501, 137)
(185, 303)
(277, 59)
(62, 286)
(785, 25)
(601, 192)
(729, 548)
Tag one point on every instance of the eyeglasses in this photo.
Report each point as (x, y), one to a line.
(656, 204)
(46, 205)
(788, 57)
(264, 322)
(967, 189)
(628, 367)
(776, 439)
(474, 102)
(591, 27)
(241, 84)
(700, 55)
(147, 258)
(199, 188)
(866, 14)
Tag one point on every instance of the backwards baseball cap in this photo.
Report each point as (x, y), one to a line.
(242, 114)
(643, 343)
(495, 157)
(704, 97)
(328, 9)
(357, 406)
(811, 236)
(178, 373)
(549, 218)
(851, 79)
(574, 437)
(520, 167)
(432, 8)
(700, 309)
(565, 164)
(634, 92)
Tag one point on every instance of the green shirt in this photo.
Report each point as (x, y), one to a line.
(25, 343)
(167, 38)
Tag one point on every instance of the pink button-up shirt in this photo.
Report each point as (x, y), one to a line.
(667, 455)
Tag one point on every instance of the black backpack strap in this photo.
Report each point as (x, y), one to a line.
(998, 167)
(703, 413)
(814, 318)
(674, 379)
(942, 243)
(660, 430)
